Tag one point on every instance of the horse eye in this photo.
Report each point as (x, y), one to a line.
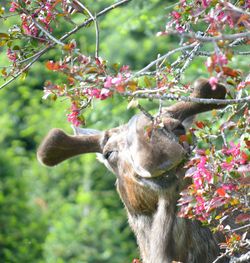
(179, 130)
(107, 154)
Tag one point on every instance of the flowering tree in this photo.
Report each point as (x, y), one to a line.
(216, 31)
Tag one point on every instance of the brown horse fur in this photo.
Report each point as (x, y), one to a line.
(149, 170)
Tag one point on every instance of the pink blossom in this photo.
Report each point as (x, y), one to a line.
(224, 17)
(28, 25)
(176, 15)
(179, 28)
(229, 187)
(99, 94)
(197, 177)
(220, 59)
(116, 81)
(248, 4)
(108, 82)
(11, 55)
(230, 21)
(105, 93)
(202, 174)
(213, 81)
(200, 208)
(83, 59)
(73, 116)
(217, 17)
(234, 150)
(93, 92)
(211, 16)
(13, 7)
(228, 166)
(205, 3)
(183, 3)
(202, 168)
(216, 202)
(124, 69)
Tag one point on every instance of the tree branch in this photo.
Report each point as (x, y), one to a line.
(164, 57)
(43, 51)
(96, 26)
(241, 259)
(200, 38)
(208, 53)
(150, 95)
(239, 228)
(219, 257)
(58, 42)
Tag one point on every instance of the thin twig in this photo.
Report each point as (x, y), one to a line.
(220, 257)
(164, 57)
(209, 39)
(208, 53)
(241, 259)
(189, 59)
(146, 113)
(146, 91)
(235, 8)
(237, 42)
(170, 6)
(47, 33)
(19, 73)
(239, 228)
(158, 71)
(186, 99)
(97, 37)
(96, 26)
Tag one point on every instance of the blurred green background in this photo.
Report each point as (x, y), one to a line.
(71, 213)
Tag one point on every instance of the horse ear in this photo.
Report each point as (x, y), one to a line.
(203, 90)
(58, 146)
(83, 131)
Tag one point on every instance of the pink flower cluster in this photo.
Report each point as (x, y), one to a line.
(114, 82)
(213, 81)
(12, 55)
(28, 25)
(53, 90)
(13, 6)
(219, 18)
(237, 157)
(211, 188)
(119, 81)
(205, 3)
(73, 117)
(176, 22)
(101, 94)
(44, 14)
(216, 60)
(110, 84)
(202, 174)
